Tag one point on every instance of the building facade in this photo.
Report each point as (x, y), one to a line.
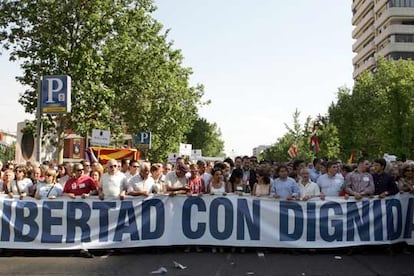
(382, 28)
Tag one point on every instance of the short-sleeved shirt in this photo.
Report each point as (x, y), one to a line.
(21, 186)
(175, 182)
(113, 185)
(284, 188)
(82, 185)
(136, 183)
(331, 185)
(45, 190)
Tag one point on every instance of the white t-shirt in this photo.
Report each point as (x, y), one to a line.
(113, 185)
(331, 186)
(136, 183)
(23, 184)
(175, 182)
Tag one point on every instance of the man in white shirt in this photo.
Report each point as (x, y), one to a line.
(113, 183)
(142, 183)
(176, 180)
(307, 188)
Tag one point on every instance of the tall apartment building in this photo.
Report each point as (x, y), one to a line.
(382, 28)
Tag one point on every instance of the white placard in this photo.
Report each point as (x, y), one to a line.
(100, 137)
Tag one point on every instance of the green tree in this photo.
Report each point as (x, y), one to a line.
(125, 75)
(377, 117)
(300, 135)
(207, 137)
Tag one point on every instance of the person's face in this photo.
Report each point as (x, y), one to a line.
(7, 177)
(79, 170)
(167, 168)
(333, 170)
(36, 173)
(180, 173)
(305, 175)
(364, 166)
(19, 174)
(283, 173)
(218, 175)
(87, 166)
(377, 168)
(134, 167)
(156, 173)
(237, 163)
(61, 170)
(49, 178)
(409, 172)
(112, 167)
(201, 169)
(95, 175)
(193, 172)
(144, 172)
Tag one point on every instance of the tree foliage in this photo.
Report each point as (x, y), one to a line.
(207, 137)
(377, 117)
(300, 135)
(125, 74)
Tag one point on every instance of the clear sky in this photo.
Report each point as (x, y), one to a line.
(258, 60)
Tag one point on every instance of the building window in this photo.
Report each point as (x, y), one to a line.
(405, 38)
(400, 3)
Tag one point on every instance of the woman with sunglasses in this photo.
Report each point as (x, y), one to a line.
(21, 184)
(406, 182)
(50, 188)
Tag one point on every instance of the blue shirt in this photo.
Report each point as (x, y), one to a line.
(284, 188)
(314, 174)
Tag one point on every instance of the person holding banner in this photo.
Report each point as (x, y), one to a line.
(113, 182)
(176, 180)
(195, 183)
(262, 186)
(5, 184)
(332, 182)
(308, 188)
(50, 188)
(284, 187)
(80, 184)
(217, 186)
(21, 184)
(142, 183)
(360, 183)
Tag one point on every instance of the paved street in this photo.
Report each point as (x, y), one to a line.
(372, 261)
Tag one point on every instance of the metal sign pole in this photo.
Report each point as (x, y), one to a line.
(39, 125)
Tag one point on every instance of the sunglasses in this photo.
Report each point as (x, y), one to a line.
(135, 166)
(113, 166)
(19, 171)
(49, 175)
(79, 170)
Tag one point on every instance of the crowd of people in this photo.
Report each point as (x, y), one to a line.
(296, 180)
(243, 176)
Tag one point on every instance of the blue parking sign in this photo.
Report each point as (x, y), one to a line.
(56, 95)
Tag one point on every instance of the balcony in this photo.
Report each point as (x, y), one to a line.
(369, 49)
(393, 29)
(362, 10)
(380, 4)
(368, 65)
(397, 47)
(368, 34)
(368, 19)
(394, 12)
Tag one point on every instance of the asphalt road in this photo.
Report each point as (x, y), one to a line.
(362, 261)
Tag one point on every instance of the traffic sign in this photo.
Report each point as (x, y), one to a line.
(143, 138)
(56, 95)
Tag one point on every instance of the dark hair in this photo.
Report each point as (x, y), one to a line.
(381, 161)
(229, 161)
(220, 165)
(215, 169)
(317, 161)
(361, 160)
(281, 167)
(331, 163)
(236, 173)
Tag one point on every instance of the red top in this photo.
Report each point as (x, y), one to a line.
(81, 185)
(195, 184)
